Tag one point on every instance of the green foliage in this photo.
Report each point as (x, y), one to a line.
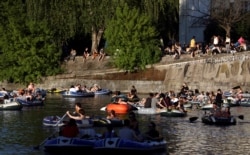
(28, 51)
(243, 28)
(132, 39)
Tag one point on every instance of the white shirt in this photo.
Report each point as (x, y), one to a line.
(216, 41)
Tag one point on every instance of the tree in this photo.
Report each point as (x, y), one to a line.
(227, 13)
(132, 39)
(28, 51)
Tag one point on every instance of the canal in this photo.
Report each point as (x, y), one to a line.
(21, 130)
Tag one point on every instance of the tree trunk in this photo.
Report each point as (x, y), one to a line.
(96, 38)
(228, 29)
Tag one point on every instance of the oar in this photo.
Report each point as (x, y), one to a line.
(241, 117)
(103, 108)
(38, 146)
(192, 119)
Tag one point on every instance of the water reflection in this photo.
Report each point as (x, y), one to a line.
(22, 130)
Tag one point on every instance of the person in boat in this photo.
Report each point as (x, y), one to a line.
(69, 130)
(184, 89)
(146, 102)
(110, 132)
(111, 115)
(174, 101)
(134, 123)
(78, 88)
(72, 88)
(31, 87)
(5, 93)
(29, 96)
(152, 133)
(181, 102)
(127, 133)
(219, 98)
(79, 113)
(132, 95)
(226, 112)
(215, 111)
(164, 101)
(85, 89)
(95, 88)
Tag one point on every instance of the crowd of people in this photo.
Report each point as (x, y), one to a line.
(217, 45)
(80, 88)
(86, 54)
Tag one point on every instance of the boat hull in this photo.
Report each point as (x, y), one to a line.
(35, 102)
(117, 145)
(68, 145)
(173, 113)
(103, 92)
(78, 94)
(10, 104)
(210, 120)
(118, 108)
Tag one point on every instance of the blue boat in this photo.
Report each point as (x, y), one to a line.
(118, 145)
(103, 92)
(94, 145)
(34, 102)
(78, 94)
(66, 145)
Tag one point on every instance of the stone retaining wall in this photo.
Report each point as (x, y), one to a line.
(206, 74)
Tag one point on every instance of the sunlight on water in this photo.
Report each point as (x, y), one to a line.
(22, 130)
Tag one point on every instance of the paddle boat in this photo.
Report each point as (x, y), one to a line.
(78, 94)
(173, 113)
(66, 145)
(10, 104)
(212, 120)
(34, 102)
(118, 145)
(103, 92)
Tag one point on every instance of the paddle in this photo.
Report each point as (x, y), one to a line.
(241, 117)
(38, 146)
(192, 119)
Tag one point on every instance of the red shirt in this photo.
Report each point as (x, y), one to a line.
(70, 131)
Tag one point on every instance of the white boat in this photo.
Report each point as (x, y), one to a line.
(78, 94)
(10, 104)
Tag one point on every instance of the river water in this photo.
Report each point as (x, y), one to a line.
(22, 130)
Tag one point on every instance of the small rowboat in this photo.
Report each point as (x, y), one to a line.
(212, 120)
(78, 94)
(10, 104)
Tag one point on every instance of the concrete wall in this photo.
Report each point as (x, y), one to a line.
(206, 74)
